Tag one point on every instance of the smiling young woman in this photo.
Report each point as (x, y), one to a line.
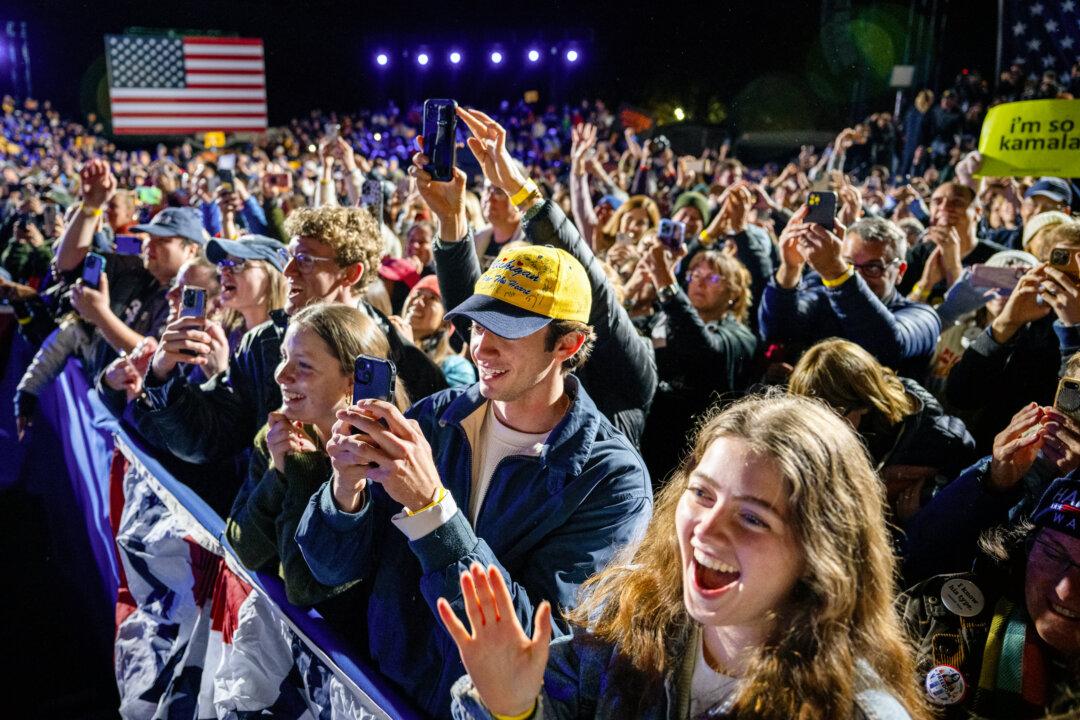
(762, 588)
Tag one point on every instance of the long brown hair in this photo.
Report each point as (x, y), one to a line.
(849, 378)
(842, 608)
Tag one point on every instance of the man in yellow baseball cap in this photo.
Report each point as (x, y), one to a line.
(519, 474)
(525, 289)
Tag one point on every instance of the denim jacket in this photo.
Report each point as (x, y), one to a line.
(547, 522)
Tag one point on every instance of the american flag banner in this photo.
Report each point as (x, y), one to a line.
(162, 85)
(1040, 35)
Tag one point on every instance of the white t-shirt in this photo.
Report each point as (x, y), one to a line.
(498, 442)
(708, 687)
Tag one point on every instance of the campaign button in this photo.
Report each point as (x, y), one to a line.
(945, 685)
(962, 597)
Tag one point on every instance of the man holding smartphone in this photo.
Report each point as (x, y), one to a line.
(519, 470)
(851, 294)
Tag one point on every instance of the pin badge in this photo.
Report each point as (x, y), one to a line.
(962, 597)
(945, 685)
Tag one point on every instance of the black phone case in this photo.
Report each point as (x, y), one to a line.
(440, 128)
(823, 212)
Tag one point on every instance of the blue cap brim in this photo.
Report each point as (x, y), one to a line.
(219, 248)
(502, 318)
(155, 230)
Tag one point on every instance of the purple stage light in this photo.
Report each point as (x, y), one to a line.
(381, 59)
(455, 57)
(534, 55)
(423, 58)
(496, 57)
(571, 56)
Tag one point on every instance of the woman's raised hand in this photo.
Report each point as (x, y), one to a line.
(488, 144)
(506, 666)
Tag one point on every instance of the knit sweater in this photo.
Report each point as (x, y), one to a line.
(267, 510)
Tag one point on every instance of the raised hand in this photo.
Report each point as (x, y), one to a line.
(1016, 447)
(285, 437)
(446, 199)
(488, 144)
(98, 183)
(506, 666)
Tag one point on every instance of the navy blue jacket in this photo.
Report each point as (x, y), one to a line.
(547, 522)
(900, 333)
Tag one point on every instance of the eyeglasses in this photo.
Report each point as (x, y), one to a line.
(707, 277)
(305, 262)
(873, 269)
(237, 266)
(1058, 558)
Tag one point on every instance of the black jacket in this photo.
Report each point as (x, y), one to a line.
(620, 376)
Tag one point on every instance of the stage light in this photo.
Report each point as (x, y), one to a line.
(496, 57)
(679, 114)
(382, 59)
(455, 57)
(422, 58)
(534, 55)
(571, 55)
(377, 137)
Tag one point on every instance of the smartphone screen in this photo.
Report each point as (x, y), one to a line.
(440, 128)
(93, 266)
(672, 233)
(1067, 399)
(822, 209)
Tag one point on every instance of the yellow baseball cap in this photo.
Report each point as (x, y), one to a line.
(525, 289)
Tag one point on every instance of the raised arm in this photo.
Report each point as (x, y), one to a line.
(98, 185)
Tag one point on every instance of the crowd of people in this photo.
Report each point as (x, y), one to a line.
(662, 443)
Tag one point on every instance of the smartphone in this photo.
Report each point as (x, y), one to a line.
(193, 302)
(1064, 259)
(1002, 278)
(50, 217)
(672, 234)
(622, 239)
(281, 180)
(1067, 399)
(371, 198)
(440, 128)
(225, 166)
(127, 245)
(332, 131)
(822, 209)
(373, 379)
(93, 266)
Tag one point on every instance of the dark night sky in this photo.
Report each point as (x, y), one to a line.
(766, 60)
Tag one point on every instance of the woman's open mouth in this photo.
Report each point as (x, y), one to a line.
(713, 577)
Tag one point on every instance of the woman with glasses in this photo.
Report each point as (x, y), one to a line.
(1003, 641)
(252, 283)
(703, 345)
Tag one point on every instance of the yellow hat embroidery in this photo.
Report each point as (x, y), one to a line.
(541, 279)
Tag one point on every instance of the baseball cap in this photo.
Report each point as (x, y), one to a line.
(176, 222)
(611, 201)
(399, 270)
(1059, 507)
(525, 289)
(248, 247)
(1054, 188)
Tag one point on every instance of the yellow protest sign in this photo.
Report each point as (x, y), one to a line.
(214, 140)
(1031, 137)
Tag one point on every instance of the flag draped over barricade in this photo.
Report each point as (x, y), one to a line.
(195, 638)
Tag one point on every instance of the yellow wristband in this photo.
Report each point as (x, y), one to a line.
(438, 499)
(920, 292)
(90, 212)
(704, 237)
(838, 281)
(522, 716)
(529, 188)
